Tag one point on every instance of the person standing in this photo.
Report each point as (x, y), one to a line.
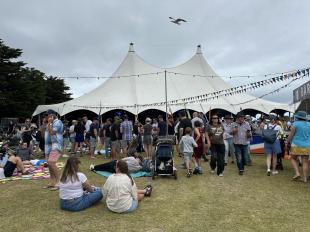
(188, 143)
(115, 138)
(147, 138)
(79, 129)
(72, 135)
(53, 147)
(126, 129)
(241, 132)
(215, 132)
(272, 149)
(93, 136)
(199, 137)
(162, 126)
(228, 138)
(299, 138)
(26, 132)
(107, 136)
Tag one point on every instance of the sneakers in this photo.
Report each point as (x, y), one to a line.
(91, 167)
(240, 173)
(199, 171)
(268, 172)
(275, 173)
(196, 171)
(212, 171)
(188, 174)
(221, 175)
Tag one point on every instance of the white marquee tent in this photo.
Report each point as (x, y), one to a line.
(130, 90)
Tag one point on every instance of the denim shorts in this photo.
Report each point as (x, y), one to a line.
(93, 142)
(133, 207)
(272, 149)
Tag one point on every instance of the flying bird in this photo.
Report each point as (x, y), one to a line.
(177, 21)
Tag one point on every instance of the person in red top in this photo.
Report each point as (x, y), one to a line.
(198, 151)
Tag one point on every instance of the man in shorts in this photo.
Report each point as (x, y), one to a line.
(53, 147)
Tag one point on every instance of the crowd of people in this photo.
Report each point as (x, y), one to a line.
(130, 146)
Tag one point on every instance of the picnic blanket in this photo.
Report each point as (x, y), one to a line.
(133, 175)
(38, 172)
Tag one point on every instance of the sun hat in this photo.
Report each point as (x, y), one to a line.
(301, 115)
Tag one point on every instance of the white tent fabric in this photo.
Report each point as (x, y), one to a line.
(139, 93)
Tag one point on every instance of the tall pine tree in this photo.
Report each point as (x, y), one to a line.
(23, 88)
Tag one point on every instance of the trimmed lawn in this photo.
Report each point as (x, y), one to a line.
(253, 202)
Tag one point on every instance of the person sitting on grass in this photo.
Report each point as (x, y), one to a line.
(75, 192)
(24, 152)
(121, 192)
(188, 143)
(8, 165)
(134, 165)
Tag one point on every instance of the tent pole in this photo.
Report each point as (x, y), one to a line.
(166, 103)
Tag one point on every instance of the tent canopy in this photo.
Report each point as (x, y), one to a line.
(137, 86)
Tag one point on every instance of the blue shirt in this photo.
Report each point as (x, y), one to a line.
(55, 141)
(302, 134)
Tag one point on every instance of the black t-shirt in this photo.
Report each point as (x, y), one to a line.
(107, 129)
(162, 128)
(115, 127)
(92, 128)
(185, 123)
(79, 129)
(170, 129)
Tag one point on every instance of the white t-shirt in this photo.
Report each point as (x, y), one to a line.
(119, 192)
(70, 189)
(71, 129)
(87, 125)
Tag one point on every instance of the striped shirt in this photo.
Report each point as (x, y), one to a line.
(126, 130)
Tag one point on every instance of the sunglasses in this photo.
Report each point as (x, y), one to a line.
(215, 118)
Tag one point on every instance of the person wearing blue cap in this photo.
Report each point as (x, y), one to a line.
(53, 147)
(299, 138)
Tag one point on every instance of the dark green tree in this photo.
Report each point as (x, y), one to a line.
(22, 89)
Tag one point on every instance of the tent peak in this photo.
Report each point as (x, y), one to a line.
(198, 49)
(131, 49)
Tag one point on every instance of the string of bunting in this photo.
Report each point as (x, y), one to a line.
(215, 95)
(272, 92)
(183, 74)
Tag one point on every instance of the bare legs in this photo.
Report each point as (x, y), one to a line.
(19, 164)
(148, 150)
(272, 159)
(305, 167)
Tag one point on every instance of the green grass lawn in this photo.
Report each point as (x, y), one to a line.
(253, 202)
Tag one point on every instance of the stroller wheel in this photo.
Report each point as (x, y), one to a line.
(175, 175)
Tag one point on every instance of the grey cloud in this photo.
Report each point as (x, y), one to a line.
(90, 38)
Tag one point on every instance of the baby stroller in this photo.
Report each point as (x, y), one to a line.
(163, 159)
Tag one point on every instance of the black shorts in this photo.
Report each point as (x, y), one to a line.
(9, 168)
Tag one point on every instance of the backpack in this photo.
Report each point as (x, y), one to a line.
(269, 135)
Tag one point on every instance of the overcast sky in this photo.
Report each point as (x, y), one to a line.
(91, 38)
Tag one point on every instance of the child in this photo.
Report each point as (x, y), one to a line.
(188, 144)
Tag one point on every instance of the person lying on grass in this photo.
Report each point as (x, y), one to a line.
(75, 192)
(8, 164)
(134, 165)
(121, 192)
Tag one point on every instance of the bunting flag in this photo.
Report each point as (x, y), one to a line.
(205, 97)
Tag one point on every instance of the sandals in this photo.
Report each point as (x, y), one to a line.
(54, 188)
(296, 178)
(148, 190)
